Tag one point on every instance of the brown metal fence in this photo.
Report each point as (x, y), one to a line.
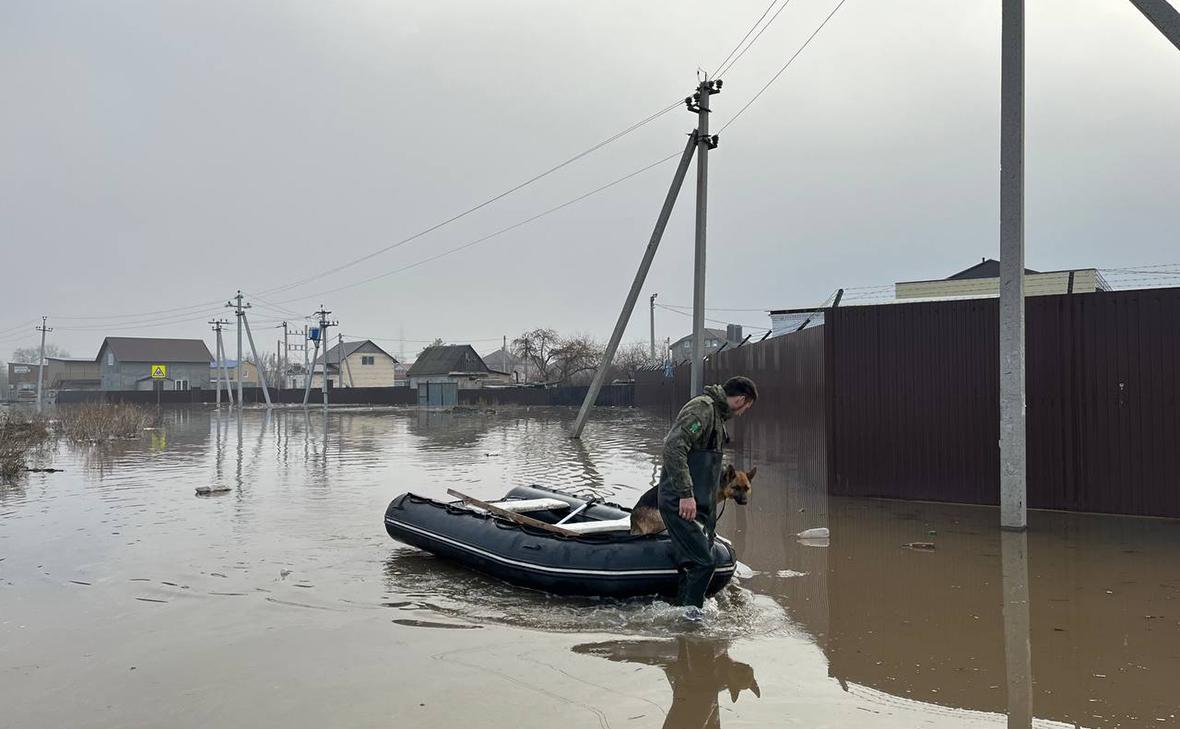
(902, 400)
(790, 418)
(914, 393)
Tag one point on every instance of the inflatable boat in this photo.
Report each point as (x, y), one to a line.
(549, 541)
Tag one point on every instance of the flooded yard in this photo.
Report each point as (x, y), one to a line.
(128, 601)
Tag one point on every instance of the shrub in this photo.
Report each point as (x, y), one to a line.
(97, 422)
(21, 433)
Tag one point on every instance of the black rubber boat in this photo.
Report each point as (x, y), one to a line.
(604, 559)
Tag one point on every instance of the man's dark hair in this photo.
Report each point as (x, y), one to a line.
(738, 386)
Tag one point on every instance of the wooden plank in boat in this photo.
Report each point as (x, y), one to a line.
(512, 516)
(523, 506)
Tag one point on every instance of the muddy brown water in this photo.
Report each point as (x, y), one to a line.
(127, 601)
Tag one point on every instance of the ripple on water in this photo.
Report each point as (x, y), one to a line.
(419, 582)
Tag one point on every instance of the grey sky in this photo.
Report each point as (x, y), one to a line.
(161, 155)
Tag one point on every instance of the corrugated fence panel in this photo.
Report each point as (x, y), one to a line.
(790, 374)
(914, 410)
(914, 401)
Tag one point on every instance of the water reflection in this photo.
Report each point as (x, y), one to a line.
(1078, 621)
(697, 669)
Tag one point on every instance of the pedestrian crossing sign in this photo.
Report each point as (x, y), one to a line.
(159, 371)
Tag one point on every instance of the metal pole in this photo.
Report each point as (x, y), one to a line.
(1017, 640)
(636, 285)
(41, 364)
(284, 362)
(217, 363)
(698, 286)
(238, 311)
(347, 365)
(324, 339)
(1013, 465)
(1163, 16)
(653, 326)
(307, 373)
(257, 363)
(229, 391)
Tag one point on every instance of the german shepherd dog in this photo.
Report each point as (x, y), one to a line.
(645, 516)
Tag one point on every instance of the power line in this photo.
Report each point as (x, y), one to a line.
(786, 65)
(762, 309)
(477, 241)
(485, 203)
(138, 314)
(714, 321)
(462, 340)
(721, 65)
(755, 40)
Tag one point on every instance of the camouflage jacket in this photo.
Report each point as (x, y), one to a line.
(699, 426)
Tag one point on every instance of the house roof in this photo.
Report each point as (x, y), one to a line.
(343, 351)
(147, 349)
(714, 333)
(501, 360)
(446, 359)
(987, 268)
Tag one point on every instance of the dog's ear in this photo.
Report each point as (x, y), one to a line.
(751, 472)
(728, 474)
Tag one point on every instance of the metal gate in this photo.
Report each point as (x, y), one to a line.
(438, 394)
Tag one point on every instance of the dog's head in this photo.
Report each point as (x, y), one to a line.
(735, 484)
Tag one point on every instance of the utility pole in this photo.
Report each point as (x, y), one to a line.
(41, 364)
(322, 337)
(237, 307)
(229, 391)
(653, 326)
(636, 286)
(257, 361)
(306, 374)
(1013, 463)
(283, 361)
(704, 144)
(1163, 16)
(218, 363)
(341, 358)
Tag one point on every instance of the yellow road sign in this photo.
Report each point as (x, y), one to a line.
(159, 372)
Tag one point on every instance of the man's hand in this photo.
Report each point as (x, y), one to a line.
(688, 508)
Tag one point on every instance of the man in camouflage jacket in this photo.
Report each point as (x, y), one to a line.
(689, 482)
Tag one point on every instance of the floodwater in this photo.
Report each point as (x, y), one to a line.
(127, 601)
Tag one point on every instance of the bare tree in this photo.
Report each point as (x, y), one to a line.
(537, 348)
(29, 355)
(575, 359)
(630, 359)
(436, 343)
(270, 366)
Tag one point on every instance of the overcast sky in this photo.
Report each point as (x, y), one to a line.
(156, 156)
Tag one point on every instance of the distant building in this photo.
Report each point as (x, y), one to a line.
(457, 363)
(125, 363)
(785, 321)
(983, 281)
(511, 369)
(356, 364)
(61, 373)
(249, 373)
(681, 349)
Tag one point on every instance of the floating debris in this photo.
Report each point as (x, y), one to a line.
(920, 546)
(212, 490)
(816, 533)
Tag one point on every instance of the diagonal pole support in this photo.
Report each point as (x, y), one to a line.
(1163, 16)
(636, 287)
